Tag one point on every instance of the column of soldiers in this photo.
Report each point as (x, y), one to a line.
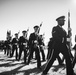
(58, 44)
(21, 44)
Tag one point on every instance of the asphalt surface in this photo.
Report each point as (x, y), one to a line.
(9, 66)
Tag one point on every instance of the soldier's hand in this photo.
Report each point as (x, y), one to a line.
(41, 45)
(68, 39)
(35, 41)
(24, 44)
(15, 43)
(69, 29)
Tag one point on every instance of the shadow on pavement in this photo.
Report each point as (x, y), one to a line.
(57, 67)
(25, 72)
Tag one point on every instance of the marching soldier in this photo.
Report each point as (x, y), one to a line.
(34, 46)
(23, 45)
(9, 46)
(60, 46)
(5, 47)
(15, 46)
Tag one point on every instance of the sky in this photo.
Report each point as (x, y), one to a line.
(19, 15)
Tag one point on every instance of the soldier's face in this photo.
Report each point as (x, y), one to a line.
(16, 36)
(61, 22)
(36, 29)
(24, 34)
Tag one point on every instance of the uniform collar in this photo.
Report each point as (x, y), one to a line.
(60, 26)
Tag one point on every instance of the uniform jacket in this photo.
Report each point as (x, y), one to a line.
(32, 38)
(59, 35)
(22, 40)
(15, 41)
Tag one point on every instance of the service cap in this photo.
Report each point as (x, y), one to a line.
(60, 18)
(16, 33)
(36, 26)
(24, 31)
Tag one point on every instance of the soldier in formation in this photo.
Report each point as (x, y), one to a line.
(60, 46)
(9, 47)
(34, 46)
(15, 46)
(23, 43)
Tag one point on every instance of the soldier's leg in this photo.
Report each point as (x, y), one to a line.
(16, 55)
(38, 57)
(59, 60)
(7, 51)
(43, 54)
(50, 61)
(30, 55)
(12, 52)
(71, 56)
(20, 53)
(4, 50)
(25, 55)
(49, 53)
(68, 61)
(74, 60)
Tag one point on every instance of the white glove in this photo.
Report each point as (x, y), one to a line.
(24, 43)
(69, 29)
(35, 41)
(68, 39)
(15, 43)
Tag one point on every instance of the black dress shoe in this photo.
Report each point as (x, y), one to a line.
(44, 73)
(18, 59)
(27, 63)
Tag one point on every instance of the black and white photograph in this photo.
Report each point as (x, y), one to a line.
(37, 37)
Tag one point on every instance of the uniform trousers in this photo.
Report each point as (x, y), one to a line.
(60, 61)
(22, 49)
(64, 50)
(14, 48)
(37, 52)
(42, 52)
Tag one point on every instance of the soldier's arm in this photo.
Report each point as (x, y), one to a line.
(19, 41)
(30, 40)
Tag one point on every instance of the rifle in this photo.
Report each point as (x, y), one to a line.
(27, 31)
(19, 32)
(36, 41)
(69, 36)
(40, 26)
(69, 31)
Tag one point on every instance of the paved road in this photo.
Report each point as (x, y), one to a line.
(9, 66)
